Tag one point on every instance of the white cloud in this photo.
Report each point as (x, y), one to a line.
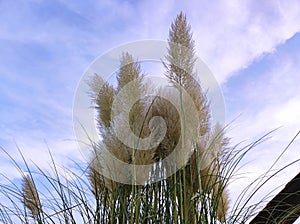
(231, 35)
(267, 97)
(37, 154)
(289, 112)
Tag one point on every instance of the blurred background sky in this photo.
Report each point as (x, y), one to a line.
(252, 48)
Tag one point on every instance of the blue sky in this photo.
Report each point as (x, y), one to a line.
(252, 48)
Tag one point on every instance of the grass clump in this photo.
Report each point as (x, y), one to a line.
(170, 165)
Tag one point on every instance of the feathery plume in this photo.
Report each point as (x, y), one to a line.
(130, 70)
(31, 198)
(102, 95)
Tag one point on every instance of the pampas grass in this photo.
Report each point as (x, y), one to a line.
(31, 198)
(104, 190)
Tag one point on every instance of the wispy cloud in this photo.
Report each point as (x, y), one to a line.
(266, 96)
(266, 93)
(231, 35)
